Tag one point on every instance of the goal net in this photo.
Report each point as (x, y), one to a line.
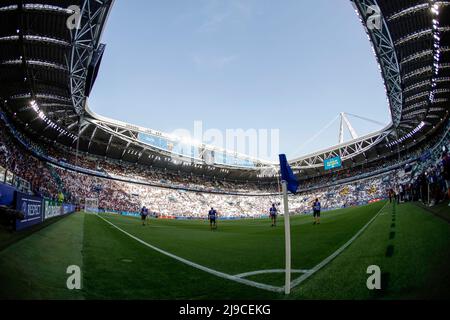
(91, 205)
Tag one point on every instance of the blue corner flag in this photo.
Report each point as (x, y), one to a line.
(287, 175)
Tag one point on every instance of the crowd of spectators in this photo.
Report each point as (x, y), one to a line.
(170, 202)
(49, 180)
(431, 178)
(192, 196)
(428, 179)
(380, 165)
(17, 160)
(156, 176)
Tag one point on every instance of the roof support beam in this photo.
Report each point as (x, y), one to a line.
(85, 40)
(92, 137)
(125, 150)
(386, 55)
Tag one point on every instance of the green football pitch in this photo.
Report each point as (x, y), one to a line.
(244, 259)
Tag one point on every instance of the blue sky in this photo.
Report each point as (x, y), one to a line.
(291, 65)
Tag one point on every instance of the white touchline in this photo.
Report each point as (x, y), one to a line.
(336, 253)
(198, 266)
(239, 278)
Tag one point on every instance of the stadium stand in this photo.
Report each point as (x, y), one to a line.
(126, 188)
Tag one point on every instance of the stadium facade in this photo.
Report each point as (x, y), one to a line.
(51, 51)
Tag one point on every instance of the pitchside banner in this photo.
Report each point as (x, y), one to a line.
(54, 209)
(51, 209)
(68, 208)
(32, 209)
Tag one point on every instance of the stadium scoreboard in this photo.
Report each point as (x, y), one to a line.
(333, 163)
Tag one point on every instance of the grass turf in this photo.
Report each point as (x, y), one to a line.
(412, 248)
(8, 236)
(35, 267)
(117, 267)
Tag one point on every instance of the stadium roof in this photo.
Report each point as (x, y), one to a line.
(44, 58)
(48, 65)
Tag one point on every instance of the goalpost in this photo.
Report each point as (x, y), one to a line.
(91, 205)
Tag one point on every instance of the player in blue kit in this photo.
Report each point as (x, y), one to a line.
(273, 215)
(316, 211)
(144, 214)
(212, 216)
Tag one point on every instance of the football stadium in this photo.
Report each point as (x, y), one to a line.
(94, 208)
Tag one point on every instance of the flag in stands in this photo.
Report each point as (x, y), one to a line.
(287, 175)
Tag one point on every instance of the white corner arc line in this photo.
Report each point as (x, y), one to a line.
(198, 266)
(253, 273)
(327, 260)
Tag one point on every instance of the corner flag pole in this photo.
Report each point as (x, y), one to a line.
(290, 182)
(287, 237)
